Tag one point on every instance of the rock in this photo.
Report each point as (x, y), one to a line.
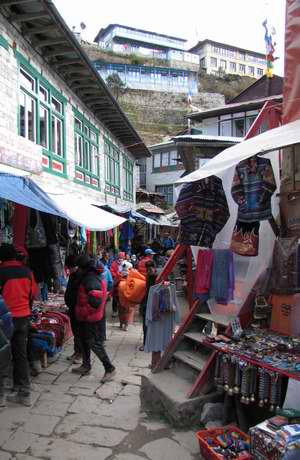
(211, 412)
(164, 448)
(214, 424)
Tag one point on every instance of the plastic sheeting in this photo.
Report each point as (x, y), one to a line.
(247, 269)
(271, 140)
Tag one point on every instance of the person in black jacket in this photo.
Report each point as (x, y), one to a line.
(6, 330)
(71, 299)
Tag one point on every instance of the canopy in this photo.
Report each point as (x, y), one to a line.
(268, 141)
(17, 186)
(81, 212)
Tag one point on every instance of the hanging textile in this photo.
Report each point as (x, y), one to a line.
(116, 238)
(203, 272)
(19, 224)
(203, 211)
(161, 317)
(36, 234)
(93, 243)
(222, 278)
(245, 238)
(252, 188)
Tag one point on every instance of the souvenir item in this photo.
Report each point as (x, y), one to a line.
(284, 274)
(245, 239)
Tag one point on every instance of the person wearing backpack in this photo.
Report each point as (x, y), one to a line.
(18, 288)
(89, 310)
(6, 331)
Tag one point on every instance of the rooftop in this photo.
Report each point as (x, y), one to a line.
(233, 108)
(44, 29)
(102, 32)
(237, 48)
(204, 138)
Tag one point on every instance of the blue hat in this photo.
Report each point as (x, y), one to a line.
(149, 252)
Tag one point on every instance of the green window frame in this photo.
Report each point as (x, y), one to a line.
(128, 166)
(41, 116)
(165, 160)
(168, 191)
(112, 168)
(86, 148)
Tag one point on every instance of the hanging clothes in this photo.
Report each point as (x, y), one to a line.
(19, 225)
(203, 211)
(252, 188)
(162, 314)
(203, 273)
(222, 278)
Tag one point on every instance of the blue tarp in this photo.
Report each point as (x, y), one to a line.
(23, 190)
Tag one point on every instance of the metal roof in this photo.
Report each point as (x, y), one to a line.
(233, 108)
(42, 26)
(213, 42)
(102, 32)
(204, 138)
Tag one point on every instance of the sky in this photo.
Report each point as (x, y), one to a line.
(235, 22)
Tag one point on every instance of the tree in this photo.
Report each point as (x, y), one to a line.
(116, 85)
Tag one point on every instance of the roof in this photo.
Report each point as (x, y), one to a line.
(271, 140)
(102, 32)
(233, 108)
(203, 138)
(161, 145)
(264, 85)
(243, 50)
(149, 208)
(41, 25)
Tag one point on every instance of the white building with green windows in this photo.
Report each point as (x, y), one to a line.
(58, 119)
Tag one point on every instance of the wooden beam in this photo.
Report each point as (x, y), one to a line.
(67, 62)
(84, 85)
(27, 17)
(87, 100)
(72, 80)
(87, 92)
(38, 30)
(57, 52)
(50, 42)
(74, 71)
(13, 2)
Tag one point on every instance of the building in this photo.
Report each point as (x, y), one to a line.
(57, 118)
(151, 78)
(230, 59)
(165, 166)
(236, 117)
(129, 40)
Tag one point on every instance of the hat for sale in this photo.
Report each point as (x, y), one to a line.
(149, 252)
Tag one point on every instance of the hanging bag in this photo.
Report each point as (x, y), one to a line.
(284, 273)
(36, 235)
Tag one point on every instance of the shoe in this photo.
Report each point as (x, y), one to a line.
(35, 368)
(19, 398)
(2, 400)
(82, 370)
(70, 358)
(108, 376)
(114, 314)
(77, 358)
(141, 348)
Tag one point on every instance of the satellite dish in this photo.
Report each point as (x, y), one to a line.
(82, 25)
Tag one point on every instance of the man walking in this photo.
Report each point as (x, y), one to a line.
(18, 289)
(90, 308)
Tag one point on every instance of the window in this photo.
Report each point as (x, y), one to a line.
(203, 63)
(41, 116)
(128, 178)
(251, 70)
(259, 72)
(225, 128)
(237, 124)
(112, 168)
(239, 127)
(213, 62)
(87, 169)
(232, 66)
(242, 68)
(166, 191)
(165, 160)
(223, 64)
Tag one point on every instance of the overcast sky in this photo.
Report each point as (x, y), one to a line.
(236, 22)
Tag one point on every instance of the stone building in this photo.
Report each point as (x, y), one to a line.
(58, 120)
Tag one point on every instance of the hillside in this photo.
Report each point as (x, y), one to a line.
(159, 115)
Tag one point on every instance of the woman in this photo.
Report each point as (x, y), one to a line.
(125, 309)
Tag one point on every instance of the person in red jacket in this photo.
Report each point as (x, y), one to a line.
(148, 255)
(18, 289)
(89, 311)
(115, 270)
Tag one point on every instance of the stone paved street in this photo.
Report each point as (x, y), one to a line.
(77, 418)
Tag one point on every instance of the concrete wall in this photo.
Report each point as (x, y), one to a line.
(9, 138)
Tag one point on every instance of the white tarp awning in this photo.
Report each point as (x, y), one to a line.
(274, 139)
(81, 212)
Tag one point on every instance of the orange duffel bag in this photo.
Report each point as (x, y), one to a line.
(134, 288)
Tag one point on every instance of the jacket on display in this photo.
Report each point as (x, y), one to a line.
(252, 188)
(203, 211)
